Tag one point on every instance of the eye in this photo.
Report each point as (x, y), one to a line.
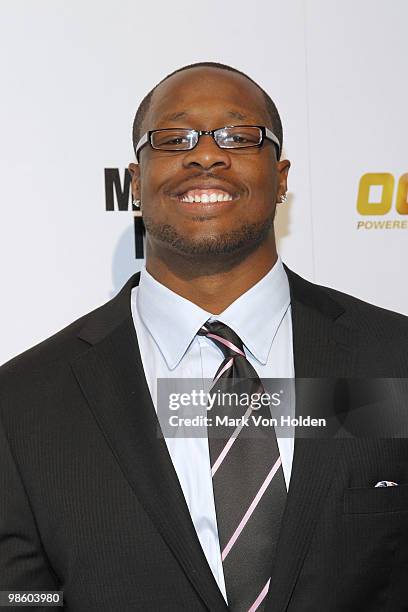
(176, 140)
(238, 138)
(231, 138)
(172, 139)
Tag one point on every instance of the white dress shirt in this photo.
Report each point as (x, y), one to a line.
(166, 325)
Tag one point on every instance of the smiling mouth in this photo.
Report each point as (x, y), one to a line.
(206, 196)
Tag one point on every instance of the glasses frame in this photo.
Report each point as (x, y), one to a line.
(265, 133)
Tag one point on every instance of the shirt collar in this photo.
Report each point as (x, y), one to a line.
(255, 315)
(172, 320)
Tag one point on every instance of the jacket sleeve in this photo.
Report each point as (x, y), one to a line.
(23, 562)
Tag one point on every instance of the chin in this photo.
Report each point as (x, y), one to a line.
(245, 238)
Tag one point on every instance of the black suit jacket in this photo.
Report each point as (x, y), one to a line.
(90, 502)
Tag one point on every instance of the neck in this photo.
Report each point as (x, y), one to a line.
(212, 285)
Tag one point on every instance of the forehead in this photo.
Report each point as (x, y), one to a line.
(206, 95)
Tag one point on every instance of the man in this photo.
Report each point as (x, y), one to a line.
(96, 504)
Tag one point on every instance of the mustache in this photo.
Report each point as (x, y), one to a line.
(187, 181)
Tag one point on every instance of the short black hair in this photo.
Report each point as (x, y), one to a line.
(145, 103)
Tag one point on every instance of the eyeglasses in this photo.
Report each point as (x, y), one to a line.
(228, 137)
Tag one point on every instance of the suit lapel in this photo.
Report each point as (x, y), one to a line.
(112, 379)
(321, 349)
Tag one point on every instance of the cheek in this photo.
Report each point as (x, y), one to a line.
(155, 178)
(147, 184)
(267, 176)
(263, 189)
(260, 176)
(150, 192)
(155, 175)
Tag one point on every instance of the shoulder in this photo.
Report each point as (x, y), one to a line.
(47, 364)
(40, 364)
(39, 386)
(75, 338)
(370, 321)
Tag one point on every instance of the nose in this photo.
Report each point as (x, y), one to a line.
(207, 154)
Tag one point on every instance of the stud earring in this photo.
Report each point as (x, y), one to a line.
(137, 208)
(283, 198)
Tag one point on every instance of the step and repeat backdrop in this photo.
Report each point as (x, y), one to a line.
(72, 76)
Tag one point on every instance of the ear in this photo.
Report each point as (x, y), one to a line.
(134, 170)
(283, 170)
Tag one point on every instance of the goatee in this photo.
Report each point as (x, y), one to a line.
(246, 238)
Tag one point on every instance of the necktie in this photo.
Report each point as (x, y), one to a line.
(248, 482)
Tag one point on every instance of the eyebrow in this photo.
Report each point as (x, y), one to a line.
(182, 114)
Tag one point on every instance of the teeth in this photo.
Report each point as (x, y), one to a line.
(205, 198)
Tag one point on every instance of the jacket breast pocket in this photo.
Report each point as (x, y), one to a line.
(371, 500)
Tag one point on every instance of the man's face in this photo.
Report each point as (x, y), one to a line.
(206, 99)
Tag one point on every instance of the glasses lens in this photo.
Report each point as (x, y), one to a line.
(178, 139)
(238, 137)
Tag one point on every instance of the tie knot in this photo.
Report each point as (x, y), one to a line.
(224, 337)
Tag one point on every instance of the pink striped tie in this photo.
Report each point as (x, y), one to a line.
(248, 483)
